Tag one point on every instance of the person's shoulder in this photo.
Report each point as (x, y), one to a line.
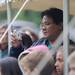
(39, 42)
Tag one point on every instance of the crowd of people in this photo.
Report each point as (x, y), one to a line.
(30, 55)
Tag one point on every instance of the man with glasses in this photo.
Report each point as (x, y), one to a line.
(51, 26)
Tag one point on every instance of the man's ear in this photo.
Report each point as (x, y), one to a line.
(61, 26)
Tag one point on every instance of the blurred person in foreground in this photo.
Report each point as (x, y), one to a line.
(71, 61)
(28, 62)
(4, 42)
(9, 66)
(51, 26)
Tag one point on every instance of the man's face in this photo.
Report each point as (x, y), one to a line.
(59, 63)
(49, 28)
(72, 69)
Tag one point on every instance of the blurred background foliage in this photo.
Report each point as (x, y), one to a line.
(25, 15)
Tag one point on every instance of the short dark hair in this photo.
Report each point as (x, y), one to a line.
(55, 13)
(26, 40)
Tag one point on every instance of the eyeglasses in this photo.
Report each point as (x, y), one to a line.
(46, 25)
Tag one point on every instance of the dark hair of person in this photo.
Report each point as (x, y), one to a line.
(54, 13)
(26, 40)
(9, 66)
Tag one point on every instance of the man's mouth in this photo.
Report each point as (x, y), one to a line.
(58, 70)
(44, 32)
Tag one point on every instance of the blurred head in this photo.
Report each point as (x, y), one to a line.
(71, 61)
(29, 62)
(52, 21)
(9, 66)
(32, 35)
(4, 42)
(26, 40)
(59, 61)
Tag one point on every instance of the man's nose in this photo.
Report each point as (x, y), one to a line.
(43, 28)
(56, 64)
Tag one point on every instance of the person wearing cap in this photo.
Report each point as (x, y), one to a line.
(29, 61)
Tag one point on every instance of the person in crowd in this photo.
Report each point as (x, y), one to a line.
(32, 35)
(26, 40)
(51, 26)
(59, 64)
(4, 42)
(9, 66)
(17, 47)
(20, 44)
(29, 63)
(71, 61)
